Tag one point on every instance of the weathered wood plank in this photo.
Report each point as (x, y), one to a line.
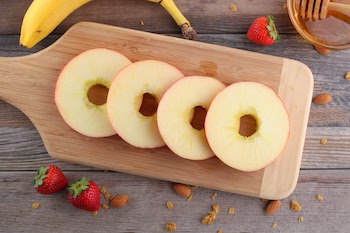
(147, 212)
(21, 148)
(205, 16)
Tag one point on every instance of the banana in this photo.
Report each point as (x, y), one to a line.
(187, 31)
(43, 16)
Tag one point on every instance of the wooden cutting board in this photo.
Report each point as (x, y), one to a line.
(28, 83)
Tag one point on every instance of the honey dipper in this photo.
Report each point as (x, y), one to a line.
(317, 9)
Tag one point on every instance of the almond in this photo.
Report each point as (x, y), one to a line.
(323, 98)
(182, 189)
(322, 50)
(272, 207)
(119, 201)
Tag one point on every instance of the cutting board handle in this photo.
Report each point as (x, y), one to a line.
(16, 80)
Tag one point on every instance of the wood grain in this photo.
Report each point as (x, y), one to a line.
(35, 80)
(146, 210)
(129, 13)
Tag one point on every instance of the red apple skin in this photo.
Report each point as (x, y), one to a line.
(165, 96)
(121, 72)
(57, 87)
(287, 138)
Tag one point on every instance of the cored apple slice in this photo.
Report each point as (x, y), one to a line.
(88, 69)
(222, 126)
(175, 113)
(125, 98)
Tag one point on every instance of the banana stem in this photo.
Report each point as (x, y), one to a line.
(170, 6)
(187, 31)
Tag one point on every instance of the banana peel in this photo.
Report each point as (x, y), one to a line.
(187, 30)
(43, 16)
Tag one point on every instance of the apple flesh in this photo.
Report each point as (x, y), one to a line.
(126, 95)
(88, 69)
(223, 122)
(175, 112)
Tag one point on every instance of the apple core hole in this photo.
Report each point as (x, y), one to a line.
(198, 118)
(247, 125)
(97, 94)
(149, 105)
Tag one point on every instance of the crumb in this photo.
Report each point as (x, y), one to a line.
(231, 210)
(219, 231)
(319, 197)
(323, 141)
(285, 6)
(94, 213)
(233, 8)
(347, 76)
(170, 205)
(213, 197)
(35, 205)
(194, 186)
(103, 190)
(263, 200)
(209, 218)
(300, 219)
(295, 206)
(104, 206)
(189, 198)
(274, 225)
(216, 208)
(142, 23)
(170, 226)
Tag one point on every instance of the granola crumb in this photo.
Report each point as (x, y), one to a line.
(231, 210)
(274, 225)
(295, 206)
(169, 205)
(111, 198)
(300, 219)
(189, 198)
(94, 213)
(233, 8)
(107, 196)
(35, 205)
(213, 197)
(263, 200)
(285, 6)
(209, 218)
(103, 190)
(216, 208)
(194, 186)
(170, 226)
(319, 197)
(104, 206)
(219, 231)
(347, 76)
(142, 23)
(323, 141)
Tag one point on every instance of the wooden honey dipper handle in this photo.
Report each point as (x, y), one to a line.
(344, 8)
(317, 9)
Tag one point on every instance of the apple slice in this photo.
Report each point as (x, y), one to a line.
(175, 113)
(222, 126)
(95, 67)
(125, 98)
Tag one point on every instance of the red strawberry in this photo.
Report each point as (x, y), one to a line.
(263, 31)
(49, 179)
(84, 194)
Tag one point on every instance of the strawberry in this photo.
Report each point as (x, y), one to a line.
(263, 31)
(84, 194)
(49, 179)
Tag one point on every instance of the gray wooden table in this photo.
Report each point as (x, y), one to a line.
(325, 169)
